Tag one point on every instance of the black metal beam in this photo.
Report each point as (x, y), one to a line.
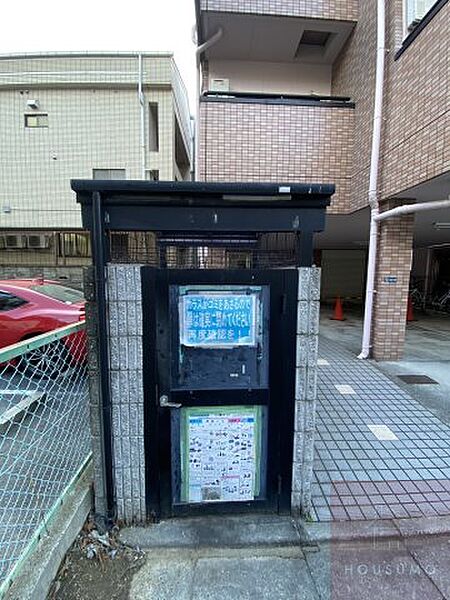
(210, 220)
(291, 100)
(99, 256)
(177, 193)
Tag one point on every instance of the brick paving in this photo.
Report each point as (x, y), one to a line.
(356, 474)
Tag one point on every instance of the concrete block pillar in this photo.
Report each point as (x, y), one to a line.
(392, 284)
(305, 388)
(127, 392)
(124, 306)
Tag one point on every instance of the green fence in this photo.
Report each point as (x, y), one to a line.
(44, 436)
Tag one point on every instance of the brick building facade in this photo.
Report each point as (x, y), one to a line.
(288, 95)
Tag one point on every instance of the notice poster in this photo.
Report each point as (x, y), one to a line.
(221, 448)
(218, 319)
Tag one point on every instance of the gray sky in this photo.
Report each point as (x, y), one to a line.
(55, 25)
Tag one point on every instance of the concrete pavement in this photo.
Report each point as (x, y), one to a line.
(427, 352)
(280, 563)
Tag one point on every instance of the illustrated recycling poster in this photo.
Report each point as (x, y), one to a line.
(218, 319)
(220, 453)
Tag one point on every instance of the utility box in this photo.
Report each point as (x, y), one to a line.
(202, 364)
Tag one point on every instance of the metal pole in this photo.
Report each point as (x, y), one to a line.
(142, 113)
(99, 255)
(304, 242)
(426, 286)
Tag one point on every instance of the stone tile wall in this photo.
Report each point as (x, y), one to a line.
(127, 394)
(305, 388)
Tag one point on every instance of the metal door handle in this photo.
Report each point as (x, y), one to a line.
(165, 403)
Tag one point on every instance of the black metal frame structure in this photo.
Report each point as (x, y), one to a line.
(158, 450)
(185, 209)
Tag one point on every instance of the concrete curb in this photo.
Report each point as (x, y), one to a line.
(343, 531)
(39, 570)
(232, 532)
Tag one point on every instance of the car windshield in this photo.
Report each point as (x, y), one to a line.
(59, 292)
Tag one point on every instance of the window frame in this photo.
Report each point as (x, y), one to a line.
(28, 116)
(153, 126)
(109, 171)
(74, 244)
(411, 36)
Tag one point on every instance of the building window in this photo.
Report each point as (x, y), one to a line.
(153, 137)
(74, 244)
(109, 174)
(415, 10)
(152, 175)
(35, 120)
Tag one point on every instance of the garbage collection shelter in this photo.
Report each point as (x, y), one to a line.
(202, 316)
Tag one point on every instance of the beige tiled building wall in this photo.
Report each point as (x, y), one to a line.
(93, 123)
(415, 142)
(346, 10)
(277, 142)
(416, 125)
(416, 135)
(392, 285)
(258, 142)
(87, 129)
(354, 76)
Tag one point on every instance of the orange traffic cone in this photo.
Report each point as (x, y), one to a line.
(410, 313)
(338, 313)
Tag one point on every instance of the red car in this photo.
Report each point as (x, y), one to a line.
(29, 307)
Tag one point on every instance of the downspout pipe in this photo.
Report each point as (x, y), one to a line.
(408, 209)
(142, 113)
(373, 180)
(198, 54)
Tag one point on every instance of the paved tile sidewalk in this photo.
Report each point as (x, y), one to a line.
(356, 474)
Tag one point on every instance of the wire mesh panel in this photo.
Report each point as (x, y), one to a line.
(227, 251)
(44, 434)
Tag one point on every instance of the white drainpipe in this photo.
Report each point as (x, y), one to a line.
(373, 180)
(375, 216)
(407, 209)
(199, 51)
(142, 114)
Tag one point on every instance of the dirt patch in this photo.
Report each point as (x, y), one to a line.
(96, 566)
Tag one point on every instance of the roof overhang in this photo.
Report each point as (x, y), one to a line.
(245, 37)
(205, 207)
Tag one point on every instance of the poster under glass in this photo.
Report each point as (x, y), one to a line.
(220, 453)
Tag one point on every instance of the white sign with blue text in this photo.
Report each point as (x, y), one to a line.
(218, 319)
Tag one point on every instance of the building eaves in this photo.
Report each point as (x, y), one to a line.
(94, 54)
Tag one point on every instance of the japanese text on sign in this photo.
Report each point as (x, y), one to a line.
(218, 319)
